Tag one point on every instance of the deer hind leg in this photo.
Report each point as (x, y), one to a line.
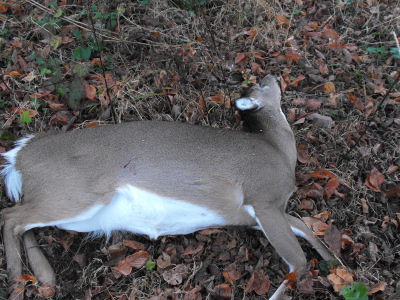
(276, 228)
(38, 262)
(299, 228)
(15, 220)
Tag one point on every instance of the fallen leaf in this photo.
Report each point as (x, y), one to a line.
(331, 187)
(133, 244)
(240, 57)
(223, 290)
(163, 261)
(290, 279)
(231, 276)
(20, 111)
(313, 104)
(47, 289)
(381, 286)
(374, 180)
(194, 249)
(333, 238)
(25, 279)
(138, 259)
(328, 87)
(392, 169)
(302, 154)
(176, 275)
(123, 267)
(292, 54)
(259, 283)
(81, 260)
(282, 20)
(90, 91)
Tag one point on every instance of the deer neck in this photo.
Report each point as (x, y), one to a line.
(271, 125)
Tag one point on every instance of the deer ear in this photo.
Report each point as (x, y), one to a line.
(246, 104)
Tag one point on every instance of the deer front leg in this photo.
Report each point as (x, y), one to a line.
(276, 228)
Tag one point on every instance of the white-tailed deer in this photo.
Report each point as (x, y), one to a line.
(158, 178)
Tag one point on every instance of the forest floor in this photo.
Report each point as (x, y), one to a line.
(187, 61)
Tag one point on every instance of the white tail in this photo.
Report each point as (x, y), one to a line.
(158, 178)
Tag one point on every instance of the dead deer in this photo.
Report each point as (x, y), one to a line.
(158, 178)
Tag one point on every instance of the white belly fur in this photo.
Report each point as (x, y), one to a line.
(141, 212)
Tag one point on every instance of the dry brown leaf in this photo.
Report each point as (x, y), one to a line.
(163, 261)
(240, 57)
(331, 187)
(20, 111)
(47, 289)
(138, 259)
(24, 279)
(90, 91)
(259, 283)
(374, 180)
(231, 276)
(313, 104)
(291, 279)
(123, 267)
(328, 87)
(381, 286)
(292, 54)
(302, 154)
(194, 249)
(333, 238)
(282, 20)
(134, 244)
(392, 169)
(223, 290)
(81, 260)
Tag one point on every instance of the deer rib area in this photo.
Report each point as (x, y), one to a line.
(141, 212)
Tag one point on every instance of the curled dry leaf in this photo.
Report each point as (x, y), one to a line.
(163, 261)
(302, 154)
(331, 187)
(328, 88)
(381, 286)
(134, 244)
(176, 275)
(25, 279)
(138, 259)
(339, 277)
(20, 111)
(374, 180)
(291, 279)
(47, 289)
(313, 104)
(259, 283)
(90, 91)
(194, 249)
(292, 54)
(281, 20)
(223, 291)
(333, 238)
(231, 276)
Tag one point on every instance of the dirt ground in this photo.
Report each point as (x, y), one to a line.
(187, 61)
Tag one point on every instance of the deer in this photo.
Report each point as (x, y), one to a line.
(158, 178)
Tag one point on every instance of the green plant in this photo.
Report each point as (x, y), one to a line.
(383, 51)
(49, 66)
(25, 118)
(150, 265)
(356, 291)
(192, 5)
